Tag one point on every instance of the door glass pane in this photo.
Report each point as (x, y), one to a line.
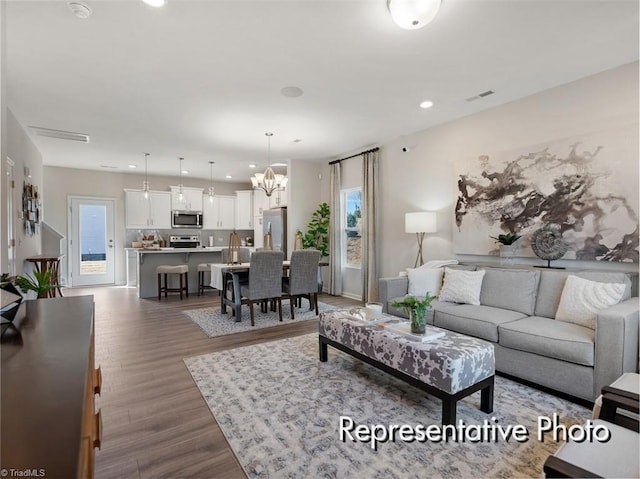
(93, 239)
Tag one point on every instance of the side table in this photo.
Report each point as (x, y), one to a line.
(47, 262)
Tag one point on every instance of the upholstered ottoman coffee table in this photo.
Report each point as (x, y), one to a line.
(450, 367)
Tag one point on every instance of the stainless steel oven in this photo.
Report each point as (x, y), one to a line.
(185, 241)
(186, 219)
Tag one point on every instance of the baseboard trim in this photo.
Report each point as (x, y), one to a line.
(351, 296)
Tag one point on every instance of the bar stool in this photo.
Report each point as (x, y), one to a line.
(182, 270)
(202, 269)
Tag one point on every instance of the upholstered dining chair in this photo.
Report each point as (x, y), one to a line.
(265, 281)
(303, 278)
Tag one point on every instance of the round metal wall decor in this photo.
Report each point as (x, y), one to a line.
(547, 243)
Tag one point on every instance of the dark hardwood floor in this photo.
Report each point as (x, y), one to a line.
(156, 423)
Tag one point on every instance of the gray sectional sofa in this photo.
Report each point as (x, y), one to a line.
(516, 313)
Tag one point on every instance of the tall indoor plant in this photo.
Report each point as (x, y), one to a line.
(317, 235)
(417, 309)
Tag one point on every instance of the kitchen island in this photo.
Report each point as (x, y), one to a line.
(149, 259)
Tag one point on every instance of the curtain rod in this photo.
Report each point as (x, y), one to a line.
(353, 156)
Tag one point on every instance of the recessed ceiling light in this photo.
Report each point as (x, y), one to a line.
(292, 91)
(252, 165)
(132, 166)
(228, 177)
(185, 172)
(297, 140)
(426, 104)
(155, 3)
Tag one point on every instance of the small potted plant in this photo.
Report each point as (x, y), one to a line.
(507, 243)
(41, 282)
(417, 309)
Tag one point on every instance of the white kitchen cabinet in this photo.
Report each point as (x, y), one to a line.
(144, 213)
(219, 214)
(244, 210)
(191, 198)
(260, 202)
(263, 202)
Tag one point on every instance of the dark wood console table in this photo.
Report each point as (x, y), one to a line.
(48, 388)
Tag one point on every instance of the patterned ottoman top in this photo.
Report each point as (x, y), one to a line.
(451, 363)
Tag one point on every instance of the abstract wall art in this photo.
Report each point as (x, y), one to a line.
(587, 185)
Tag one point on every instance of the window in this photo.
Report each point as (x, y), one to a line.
(352, 225)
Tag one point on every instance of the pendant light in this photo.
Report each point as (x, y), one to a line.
(269, 181)
(181, 195)
(211, 189)
(145, 183)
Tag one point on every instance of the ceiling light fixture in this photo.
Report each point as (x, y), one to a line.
(413, 14)
(181, 195)
(132, 166)
(269, 181)
(426, 104)
(211, 190)
(145, 183)
(80, 9)
(155, 3)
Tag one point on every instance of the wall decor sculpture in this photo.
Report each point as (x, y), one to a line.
(588, 186)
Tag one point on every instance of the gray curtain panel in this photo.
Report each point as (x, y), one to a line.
(369, 267)
(335, 250)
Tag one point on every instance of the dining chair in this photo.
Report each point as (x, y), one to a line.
(303, 278)
(265, 281)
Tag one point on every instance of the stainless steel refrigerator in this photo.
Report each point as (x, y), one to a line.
(275, 220)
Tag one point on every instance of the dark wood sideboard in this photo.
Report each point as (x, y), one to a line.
(49, 381)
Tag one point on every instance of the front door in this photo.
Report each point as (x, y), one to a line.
(92, 248)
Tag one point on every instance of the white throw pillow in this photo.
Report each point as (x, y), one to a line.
(581, 300)
(461, 286)
(422, 280)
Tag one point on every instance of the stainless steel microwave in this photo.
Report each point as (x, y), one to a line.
(186, 219)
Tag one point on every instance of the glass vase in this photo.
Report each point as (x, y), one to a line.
(418, 322)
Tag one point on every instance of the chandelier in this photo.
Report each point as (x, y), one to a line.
(269, 181)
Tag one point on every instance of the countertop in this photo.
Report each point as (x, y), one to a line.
(208, 249)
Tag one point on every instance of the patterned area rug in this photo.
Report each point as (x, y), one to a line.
(279, 408)
(214, 323)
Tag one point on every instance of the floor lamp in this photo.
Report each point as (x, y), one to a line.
(420, 222)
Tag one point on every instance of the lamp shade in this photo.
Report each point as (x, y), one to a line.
(420, 222)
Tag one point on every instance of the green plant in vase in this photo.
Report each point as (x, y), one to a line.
(417, 309)
(41, 282)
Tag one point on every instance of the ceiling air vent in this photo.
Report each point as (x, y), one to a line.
(481, 95)
(60, 134)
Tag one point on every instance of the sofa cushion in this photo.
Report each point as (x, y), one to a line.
(552, 283)
(461, 286)
(582, 299)
(513, 289)
(550, 338)
(479, 321)
(424, 280)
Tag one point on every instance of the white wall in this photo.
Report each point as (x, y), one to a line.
(424, 177)
(303, 197)
(62, 182)
(24, 153)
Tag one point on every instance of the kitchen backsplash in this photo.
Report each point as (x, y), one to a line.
(220, 237)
